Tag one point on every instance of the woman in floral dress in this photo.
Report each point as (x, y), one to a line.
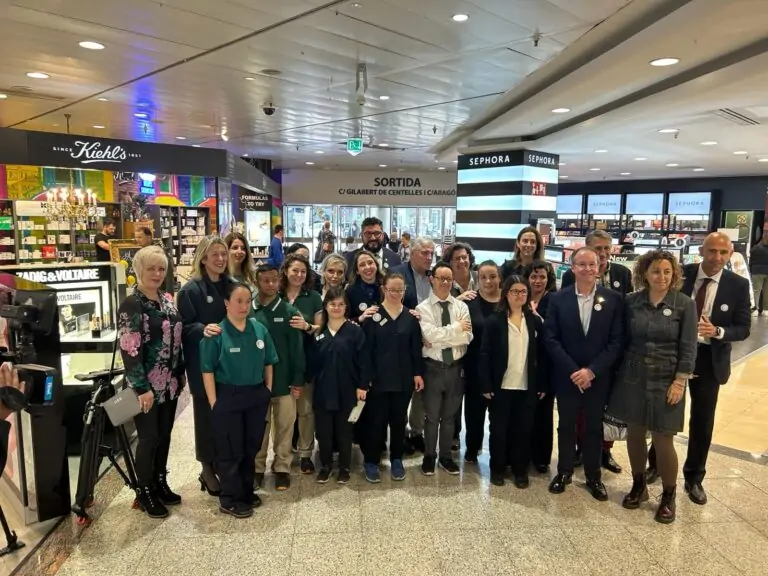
(150, 344)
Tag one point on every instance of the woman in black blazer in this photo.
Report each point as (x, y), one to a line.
(513, 367)
(364, 288)
(201, 304)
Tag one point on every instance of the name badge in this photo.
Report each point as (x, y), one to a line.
(234, 350)
(319, 336)
(598, 307)
(277, 319)
(616, 284)
(210, 299)
(667, 312)
(376, 317)
(383, 321)
(724, 307)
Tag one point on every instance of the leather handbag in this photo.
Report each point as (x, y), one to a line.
(614, 430)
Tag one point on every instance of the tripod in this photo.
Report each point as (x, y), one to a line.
(92, 448)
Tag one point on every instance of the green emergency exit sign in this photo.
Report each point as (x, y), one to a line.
(355, 146)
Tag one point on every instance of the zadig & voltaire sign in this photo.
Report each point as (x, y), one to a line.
(61, 275)
(94, 152)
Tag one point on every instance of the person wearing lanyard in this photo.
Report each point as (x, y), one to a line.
(201, 305)
(336, 368)
(288, 378)
(364, 288)
(297, 288)
(393, 350)
(447, 331)
(237, 368)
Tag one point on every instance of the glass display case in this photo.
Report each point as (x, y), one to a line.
(689, 212)
(570, 216)
(644, 212)
(604, 212)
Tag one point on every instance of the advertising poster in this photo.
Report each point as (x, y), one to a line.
(740, 220)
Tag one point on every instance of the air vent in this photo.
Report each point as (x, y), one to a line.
(26, 93)
(735, 117)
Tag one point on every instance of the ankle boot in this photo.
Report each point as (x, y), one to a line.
(208, 480)
(667, 508)
(638, 494)
(164, 492)
(149, 503)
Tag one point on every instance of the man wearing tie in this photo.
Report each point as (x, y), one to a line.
(447, 331)
(722, 302)
(584, 332)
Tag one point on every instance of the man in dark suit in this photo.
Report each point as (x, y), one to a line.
(617, 278)
(417, 290)
(584, 333)
(373, 241)
(723, 305)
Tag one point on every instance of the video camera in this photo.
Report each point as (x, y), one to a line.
(32, 312)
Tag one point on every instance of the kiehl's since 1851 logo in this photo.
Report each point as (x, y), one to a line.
(96, 152)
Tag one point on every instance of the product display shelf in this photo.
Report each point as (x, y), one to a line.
(7, 236)
(195, 225)
(168, 230)
(41, 240)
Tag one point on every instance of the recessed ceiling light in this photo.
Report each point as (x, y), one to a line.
(601, 151)
(319, 152)
(460, 17)
(664, 61)
(102, 100)
(98, 126)
(181, 137)
(595, 169)
(195, 145)
(560, 110)
(740, 153)
(698, 169)
(441, 168)
(673, 165)
(309, 163)
(626, 174)
(455, 161)
(88, 45)
(709, 143)
(140, 115)
(669, 131)
(562, 164)
(356, 5)
(249, 78)
(382, 165)
(384, 145)
(383, 97)
(3, 96)
(564, 177)
(641, 159)
(245, 155)
(762, 160)
(38, 75)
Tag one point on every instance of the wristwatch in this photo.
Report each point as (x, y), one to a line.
(720, 333)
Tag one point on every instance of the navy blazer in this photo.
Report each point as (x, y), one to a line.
(730, 311)
(410, 299)
(570, 349)
(391, 259)
(620, 278)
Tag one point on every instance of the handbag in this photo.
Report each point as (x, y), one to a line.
(124, 405)
(614, 430)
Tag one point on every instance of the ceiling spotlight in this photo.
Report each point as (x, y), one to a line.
(441, 167)
(224, 136)
(455, 161)
(249, 78)
(3, 96)
(356, 5)
(669, 131)
(626, 174)
(384, 145)
(319, 152)
(140, 115)
(561, 110)
(102, 100)
(673, 165)
(245, 155)
(594, 169)
(709, 143)
(309, 163)
(698, 169)
(562, 164)
(564, 177)
(195, 145)
(660, 62)
(38, 75)
(383, 97)
(762, 160)
(641, 159)
(382, 165)
(98, 127)
(181, 137)
(460, 17)
(88, 45)
(601, 151)
(740, 153)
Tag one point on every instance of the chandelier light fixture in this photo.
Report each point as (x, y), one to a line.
(70, 204)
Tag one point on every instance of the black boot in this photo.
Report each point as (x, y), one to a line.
(667, 507)
(638, 494)
(149, 503)
(164, 492)
(208, 480)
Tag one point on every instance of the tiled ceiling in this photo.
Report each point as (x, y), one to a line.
(197, 68)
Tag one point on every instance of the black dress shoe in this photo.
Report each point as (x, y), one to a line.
(696, 493)
(597, 489)
(522, 482)
(541, 468)
(497, 478)
(651, 475)
(609, 463)
(559, 482)
(578, 459)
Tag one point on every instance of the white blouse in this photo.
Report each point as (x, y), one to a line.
(516, 376)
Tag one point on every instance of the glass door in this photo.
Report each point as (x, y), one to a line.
(298, 224)
(405, 220)
(349, 221)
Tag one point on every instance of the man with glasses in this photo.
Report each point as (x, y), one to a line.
(618, 278)
(447, 331)
(374, 242)
(417, 290)
(584, 335)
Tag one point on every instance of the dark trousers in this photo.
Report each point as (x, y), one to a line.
(569, 402)
(443, 390)
(704, 390)
(334, 432)
(511, 424)
(239, 420)
(457, 424)
(580, 431)
(205, 450)
(153, 431)
(475, 409)
(386, 409)
(542, 437)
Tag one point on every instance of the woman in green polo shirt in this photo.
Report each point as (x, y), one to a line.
(237, 374)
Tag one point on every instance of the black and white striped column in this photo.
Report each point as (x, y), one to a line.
(499, 194)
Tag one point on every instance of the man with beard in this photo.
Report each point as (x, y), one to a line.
(144, 238)
(373, 242)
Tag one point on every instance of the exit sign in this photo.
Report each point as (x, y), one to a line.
(355, 146)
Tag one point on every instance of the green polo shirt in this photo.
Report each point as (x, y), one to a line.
(289, 343)
(238, 358)
(308, 303)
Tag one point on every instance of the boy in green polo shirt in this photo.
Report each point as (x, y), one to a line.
(288, 381)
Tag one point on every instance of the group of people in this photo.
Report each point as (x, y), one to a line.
(371, 349)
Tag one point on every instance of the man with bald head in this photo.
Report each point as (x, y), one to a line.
(722, 303)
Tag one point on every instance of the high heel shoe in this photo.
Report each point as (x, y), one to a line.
(208, 480)
(204, 487)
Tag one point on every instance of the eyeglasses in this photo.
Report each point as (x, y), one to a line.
(370, 234)
(395, 291)
(519, 292)
(443, 279)
(336, 305)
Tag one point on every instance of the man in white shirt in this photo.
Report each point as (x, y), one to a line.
(447, 331)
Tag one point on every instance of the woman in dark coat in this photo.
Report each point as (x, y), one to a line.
(201, 304)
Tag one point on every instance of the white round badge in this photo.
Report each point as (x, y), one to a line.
(724, 307)
(210, 299)
(598, 307)
(667, 312)
(386, 265)
(616, 283)
(377, 317)
(260, 344)
(363, 306)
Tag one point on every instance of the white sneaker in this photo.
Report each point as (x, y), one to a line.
(755, 313)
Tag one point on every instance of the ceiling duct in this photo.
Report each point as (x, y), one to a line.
(735, 117)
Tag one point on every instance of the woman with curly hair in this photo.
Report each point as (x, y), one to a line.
(660, 355)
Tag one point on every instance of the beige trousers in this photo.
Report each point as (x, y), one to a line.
(281, 417)
(306, 416)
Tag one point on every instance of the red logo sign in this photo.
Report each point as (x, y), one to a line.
(538, 188)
